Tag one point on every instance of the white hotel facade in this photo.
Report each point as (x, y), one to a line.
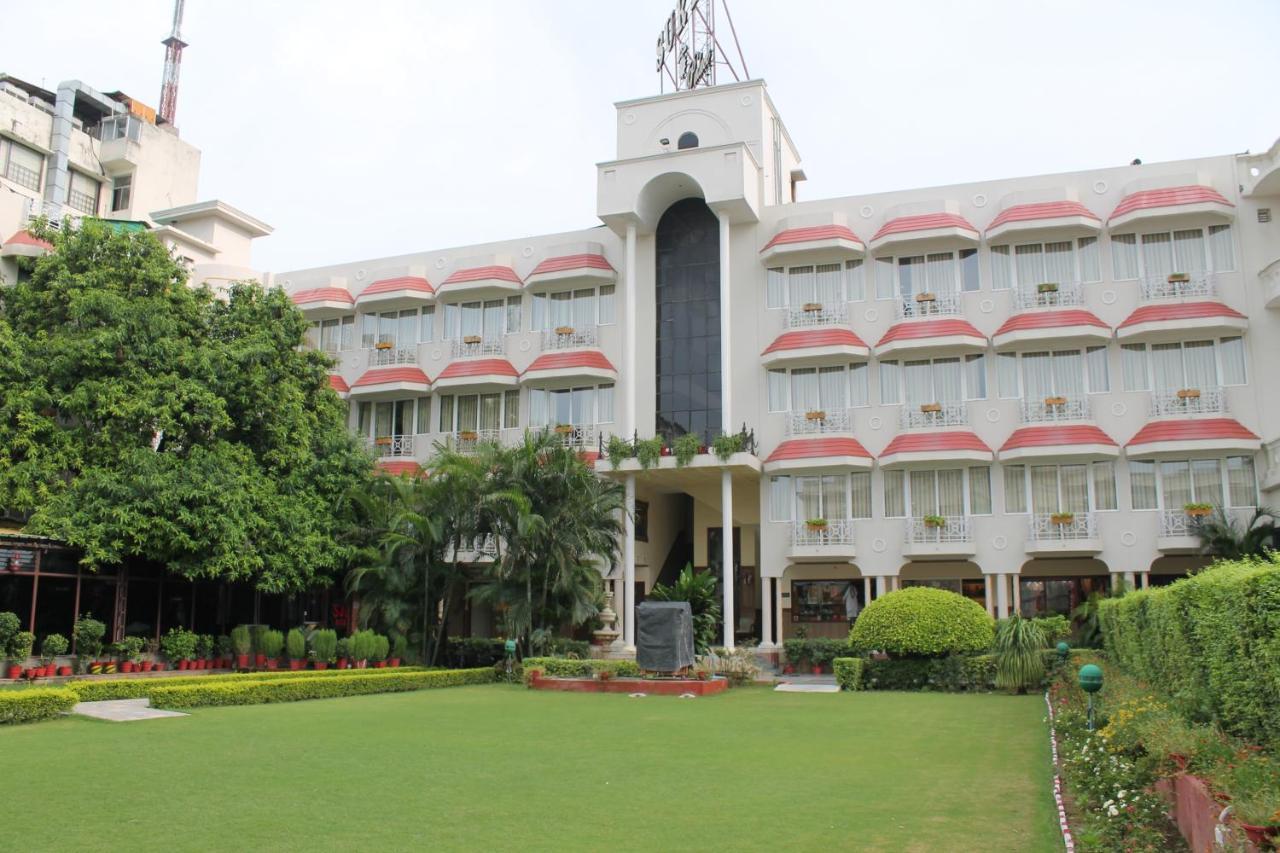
(1013, 388)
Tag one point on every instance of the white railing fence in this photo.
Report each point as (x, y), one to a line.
(568, 337)
(1179, 285)
(1054, 409)
(1188, 401)
(474, 347)
(1048, 295)
(817, 314)
(928, 305)
(926, 416)
(392, 445)
(808, 423)
(388, 356)
(835, 532)
(953, 528)
(1061, 527)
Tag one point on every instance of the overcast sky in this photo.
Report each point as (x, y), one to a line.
(364, 129)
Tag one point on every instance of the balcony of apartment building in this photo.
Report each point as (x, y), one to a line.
(319, 303)
(937, 480)
(488, 276)
(480, 549)
(396, 293)
(386, 353)
(1179, 529)
(822, 539)
(1063, 534)
(939, 536)
(818, 487)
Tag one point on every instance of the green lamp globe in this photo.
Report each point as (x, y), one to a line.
(510, 647)
(1063, 650)
(1091, 678)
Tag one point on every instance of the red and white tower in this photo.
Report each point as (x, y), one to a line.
(173, 46)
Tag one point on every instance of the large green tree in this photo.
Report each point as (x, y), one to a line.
(143, 418)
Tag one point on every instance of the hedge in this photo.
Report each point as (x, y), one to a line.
(579, 668)
(97, 690)
(1211, 641)
(817, 651)
(307, 686)
(848, 672)
(33, 704)
(923, 621)
(952, 674)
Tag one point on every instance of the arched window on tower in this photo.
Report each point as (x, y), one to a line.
(688, 139)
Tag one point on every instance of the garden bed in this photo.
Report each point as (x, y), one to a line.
(657, 686)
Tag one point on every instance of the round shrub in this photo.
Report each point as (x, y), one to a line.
(923, 622)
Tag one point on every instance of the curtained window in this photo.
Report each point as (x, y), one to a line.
(894, 494)
(1015, 488)
(1124, 256)
(1142, 484)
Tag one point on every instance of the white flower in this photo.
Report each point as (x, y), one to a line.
(1113, 811)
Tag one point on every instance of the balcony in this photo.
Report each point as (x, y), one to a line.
(928, 305)
(1194, 285)
(387, 355)
(481, 549)
(819, 422)
(833, 539)
(1188, 401)
(1052, 410)
(568, 337)
(476, 346)
(1063, 534)
(813, 314)
(1270, 278)
(939, 536)
(1048, 295)
(390, 446)
(577, 435)
(932, 415)
(468, 441)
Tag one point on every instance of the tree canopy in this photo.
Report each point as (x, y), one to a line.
(145, 419)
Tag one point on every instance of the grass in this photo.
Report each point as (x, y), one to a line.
(500, 767)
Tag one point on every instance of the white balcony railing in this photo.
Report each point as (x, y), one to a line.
(953, 528)
(577, 435)
(836, 532)
(392, 445)
(387, 356)
(819, 422)
(930, 415)
(1188, 401)
(928, 305)
(1048, 295)
(817, 314)
(1062, 527)
(568, 337)
(1054, 409)
(479, 548)
(467, 440)
(475, 346)
(1196, 284)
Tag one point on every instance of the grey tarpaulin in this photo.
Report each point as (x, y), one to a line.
(664, 636)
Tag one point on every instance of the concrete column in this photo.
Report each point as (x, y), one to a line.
(631, 417)
(1017, 593)
(1002, 596)
(986, 582)
(777, 606)
(726, 539)
(1146, 580)
(866, 591)
(726, 327)
(1131, 580)
(766, 611)
(629, 564)
(882, 585)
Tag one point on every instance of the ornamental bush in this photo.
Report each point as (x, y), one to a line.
(40, 703)
(575, 668)
(95, 690)
(848, 673)
(250, 691)
(922, 622)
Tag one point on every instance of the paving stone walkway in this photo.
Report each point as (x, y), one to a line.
(808, 684)
(123, 710)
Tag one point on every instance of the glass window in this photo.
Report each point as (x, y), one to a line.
(780, 499)
(311, 338)
(969, 280)
(121, 190)
(1157, 254)
(825, 601)
(1232, 351)
(24, 166)
(1015, 488)
(860, 494)
(884, 278)
(775, 288)
(890, 382)
(1104, 485)
(606, 305)
(855, 281)
(1175, 484)
(975, 368)
(368, 330)
(407, 328)
(1133, 363)
(894, 494)
(1242, 486)
(1206, 481)
(1099, 376)
(1007, 370)
(1222, 252)
(1090, 266)
(511, 409)
(1001, 269)
(858, 392)
(1124, 256)
(604, 404)
(82, 193)
(426, 332)
(363, 414)
(1029, 263)
(777, 390)
(1142, 484)
(980, 490)
(423, 424)
(329, 335)
(1188, 250)
(446, 413)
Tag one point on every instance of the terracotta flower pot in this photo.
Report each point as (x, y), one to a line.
(64, 670)
(273, 663)
(322, 664)
(146, 665)
(127, 666)
(380, 664)
(260, 660)
(342, 663)
(816, 670)
(242, 661)
(394, 662)
(160, 667)
(295, 665)
(788, 669)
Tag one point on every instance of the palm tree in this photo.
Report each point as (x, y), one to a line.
(1223, 537)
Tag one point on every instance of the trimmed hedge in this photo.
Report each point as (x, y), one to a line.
(1211, 641)
(817, 651)
(848, 672)
(579, 668)
(952, 674)
(922, 621)
(95, 690)
(351, 683)
(34, 704)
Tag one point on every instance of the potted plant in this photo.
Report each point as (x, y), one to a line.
(816, 524)
(686, 447)
(564, 330)
(795, 651)
(9, 625)
(1198, 510)
(383, 345)
(87, 633)
(179, 646)
(272, 644)
(926, 297)
(468, 435)
(296, 648)
(242, 645)
(564, 429)
(52, 646)
(324, 644)
(726, 444)
(399, 650)
(381, 649)
(815, 415)
(153, 655)
(1047, 287)
(648, 451)
(812, 307)
(1189, 394)
(224, 652)
(259, 656)
(204, 650)
(19, 650)
(617, 449)
(130, 650)
(342, 650)
(382, 441)
(930, 408)
(819, 656)
(1062, 518)
(1055, 401)
(1179, 278)
(935, 521)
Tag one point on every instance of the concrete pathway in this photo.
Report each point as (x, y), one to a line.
(123, 710)
(808, 684)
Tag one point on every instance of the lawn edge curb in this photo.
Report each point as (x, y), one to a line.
(1067, 839)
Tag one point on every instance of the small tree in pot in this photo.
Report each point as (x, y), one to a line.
(242, 645)
(9, 626)
(87, 633)
(20, 649)
(381, 647)
(204, 650)
(272, 645)
(296, 646)
(343, 651)
(324, 644)
(179, 647)
(399, 650)
(130, 649)
(52, 646)
(223, 647)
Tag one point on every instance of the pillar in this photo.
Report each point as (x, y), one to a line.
(986, 583)
(1017, 593)
(632, 419)
(866, 591)
(766, 611)
(1002, 596)
(629, 564)
(1146, 580)
(881, 585)
(726, 541)
(777, 608)
(1130, 580)
(726, 328)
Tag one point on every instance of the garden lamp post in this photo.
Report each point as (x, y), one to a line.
(1091, 683)
(1063, 651)
(509, 650)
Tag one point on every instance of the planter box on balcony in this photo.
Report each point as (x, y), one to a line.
(383, 345)
(1189, 394)
(930, 408)
(560, 330)
(812, 306)
(382, 441)
(1062, 518)
(1055, 401)
(564, 429)
(926, 297)
(472, 339)
(468, 435)
(815, 415)
(1047, 287)
(1178, 278)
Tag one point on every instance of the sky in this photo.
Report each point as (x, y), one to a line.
(361, 130)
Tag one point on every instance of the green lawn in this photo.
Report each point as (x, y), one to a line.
(503, 768)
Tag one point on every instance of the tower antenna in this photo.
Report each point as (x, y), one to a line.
(173, 46)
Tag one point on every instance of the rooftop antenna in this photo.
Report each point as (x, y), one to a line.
(173, 46)
(689, 50)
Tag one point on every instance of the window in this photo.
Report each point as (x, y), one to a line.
(479, 412)
(510, 409)
(1058, 373)
(884, 278)
(1104, 486)
(836, 601)
(82, 193)
(1185, 364)
(1060, 262)
(895, 492)
(688, 139)
(1178, 482)
(936, 380)
(821, 496)
(22, 165)
(578, 309)
(368, 330)
(860, 494)
(1090, 264)
(1158, 254)
(426, 332)
(332, 335)
(513, 314)
(1059, 488)
(775, 287)
(1001, 270)
(945, 491)
(890, 380)
(606, 310)
(975, 377)
(491, 318)
(1015, 488)
(388, 418)
(780, 499)
(1133, 364)
(1007, 374)
(858, 393)
(1242, 486)
(801, 285)
(1231, 356)
(604, 404)
(1142, 484)
(584, 406)
(855, 282)
(777, 390)
(937, 272)
(1099, 376)
(121, 190)
(819, 388)
(980, 490)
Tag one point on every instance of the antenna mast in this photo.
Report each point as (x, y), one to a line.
(689, 52)
(173, 46)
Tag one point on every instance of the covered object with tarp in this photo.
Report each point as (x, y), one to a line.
(664, 636)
